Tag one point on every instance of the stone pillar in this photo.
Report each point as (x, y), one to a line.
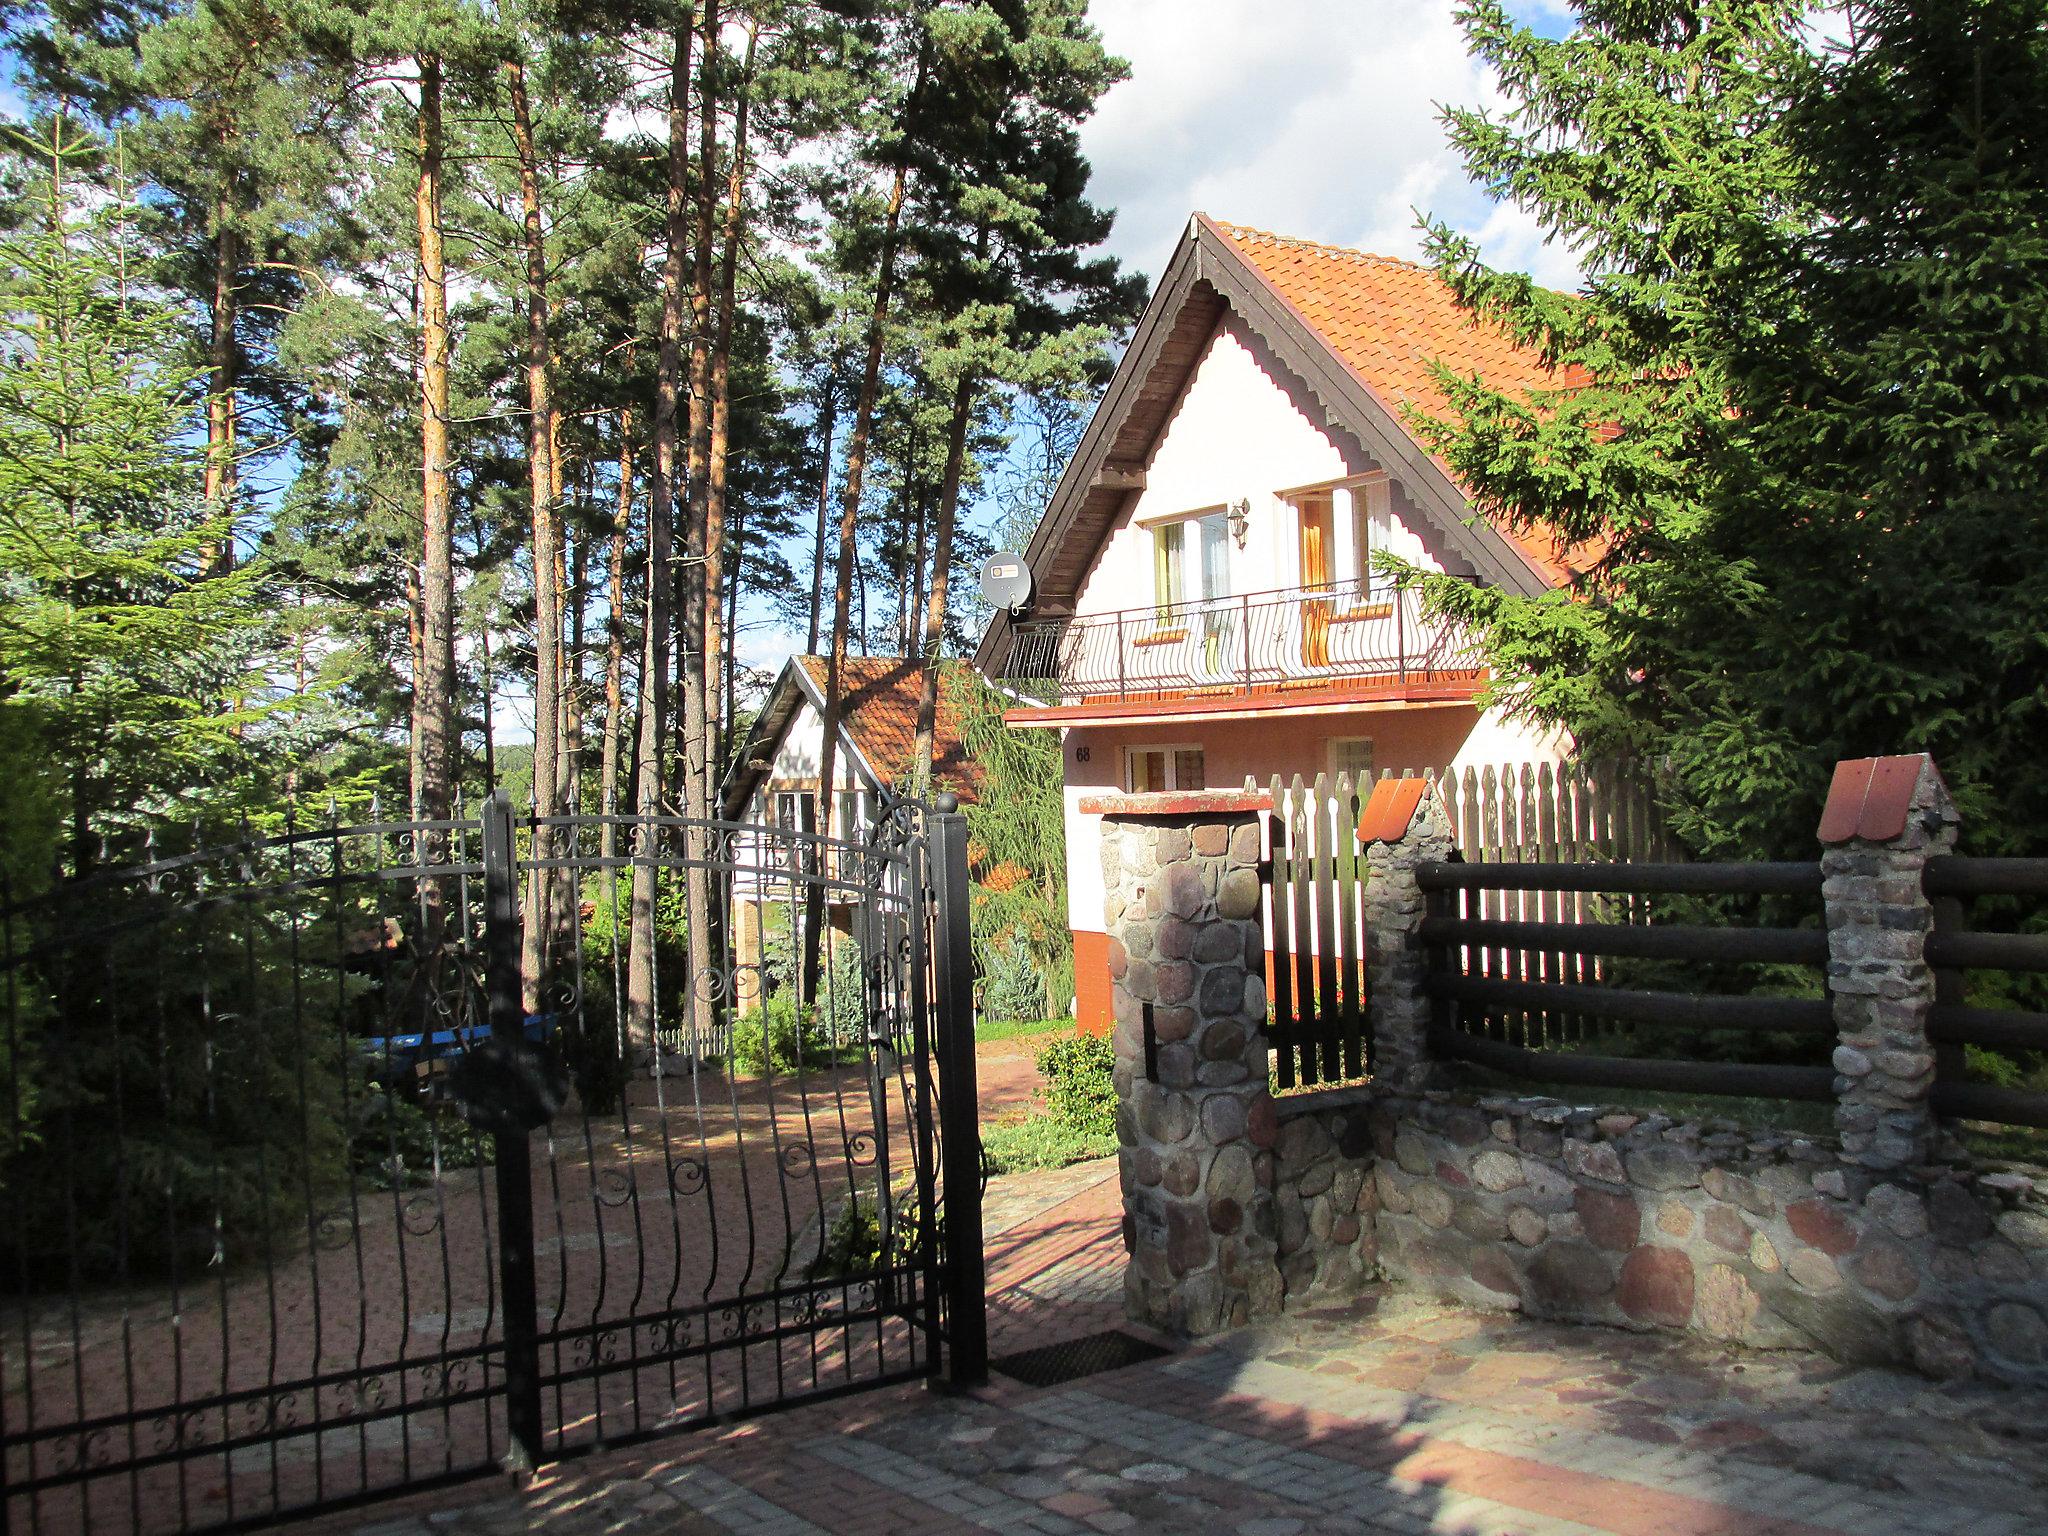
(1186, 948)
(749, 956)
(1885, 818)
(1403, 825)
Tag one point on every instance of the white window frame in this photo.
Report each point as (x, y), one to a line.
(1192, 575)
(1371, 525)
(1172, 767)
(1359, 490)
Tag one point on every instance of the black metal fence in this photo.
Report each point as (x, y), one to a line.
(310, 1196)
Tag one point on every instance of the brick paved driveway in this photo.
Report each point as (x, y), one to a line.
(1396, 1415)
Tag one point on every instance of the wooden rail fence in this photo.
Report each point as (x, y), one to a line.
(1564, 882)
(1518, 813)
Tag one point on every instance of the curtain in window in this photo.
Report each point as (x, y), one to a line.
(1168, 544)
(1215, 587)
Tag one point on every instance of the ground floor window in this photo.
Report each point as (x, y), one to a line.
(1148, 770)
(1352, 755)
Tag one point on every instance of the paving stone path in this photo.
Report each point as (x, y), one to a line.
(1394, 1415)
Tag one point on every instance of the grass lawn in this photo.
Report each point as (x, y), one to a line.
(988, 1031)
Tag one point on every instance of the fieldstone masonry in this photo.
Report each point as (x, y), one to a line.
(1187, 956)
(1395, 963)
(1237, 1204)
(1878, 978)
(1640, 1221)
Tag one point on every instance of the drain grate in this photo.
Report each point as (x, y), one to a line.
(1050, 1365)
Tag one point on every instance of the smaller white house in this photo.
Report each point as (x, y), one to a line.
(775, 780)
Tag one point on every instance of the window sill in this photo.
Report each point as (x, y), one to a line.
(1160, 637)
(1364, 615)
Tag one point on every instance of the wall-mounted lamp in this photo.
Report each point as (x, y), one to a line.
(1239, 514)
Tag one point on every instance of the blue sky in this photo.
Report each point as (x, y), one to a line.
(1313, 118)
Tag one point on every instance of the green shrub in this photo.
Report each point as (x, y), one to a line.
(778, 1035)
(1079, 1091)
(853, 1244)
(397, 1142)
(1040, 1141)
(841, 1011)
(1011, 986)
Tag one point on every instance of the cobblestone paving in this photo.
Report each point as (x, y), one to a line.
(1396, 1415)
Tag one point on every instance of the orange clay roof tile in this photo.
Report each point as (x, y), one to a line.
(880, 696)
(1387, 320)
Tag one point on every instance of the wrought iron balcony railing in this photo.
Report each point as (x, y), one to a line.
(1297, 638)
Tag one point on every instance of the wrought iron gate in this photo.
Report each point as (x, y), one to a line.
(322, 1183)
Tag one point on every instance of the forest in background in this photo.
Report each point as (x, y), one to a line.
(363, 367)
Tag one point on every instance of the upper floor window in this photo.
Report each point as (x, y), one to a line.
(1189, 560)
(1372, 523)
(1338, 528)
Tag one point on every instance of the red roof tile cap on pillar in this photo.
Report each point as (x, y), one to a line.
(1871, 797)
(1178, 802)
(1390, 809)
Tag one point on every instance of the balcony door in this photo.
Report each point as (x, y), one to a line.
(1317, 535)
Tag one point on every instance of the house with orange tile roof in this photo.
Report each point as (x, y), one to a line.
(1203, 607)
(774, 778)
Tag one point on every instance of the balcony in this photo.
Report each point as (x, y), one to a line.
(1299, 647)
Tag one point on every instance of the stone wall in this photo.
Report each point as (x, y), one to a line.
(1642, 1222)
(1194, 1115)
(1324, 1200)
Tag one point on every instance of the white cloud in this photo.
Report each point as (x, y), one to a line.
(1315, 118)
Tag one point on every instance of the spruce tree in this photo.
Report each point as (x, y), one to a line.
(1795, 447)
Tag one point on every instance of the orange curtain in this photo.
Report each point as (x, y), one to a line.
(1315, 574)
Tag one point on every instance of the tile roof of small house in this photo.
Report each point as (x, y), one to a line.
(1388, 320)
(879, 709)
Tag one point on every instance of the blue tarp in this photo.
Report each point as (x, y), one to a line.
(402, 1052)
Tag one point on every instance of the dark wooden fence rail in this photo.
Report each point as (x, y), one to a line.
(1511, 996)
(1954, 949)
(1560, 877)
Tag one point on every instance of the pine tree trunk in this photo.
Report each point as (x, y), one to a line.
(717, 647)
(547, 537)
(435, 721)
(935, 602)
(416, 650)
(615, 644)
(568, 734)
(693, 591)
(653, 704)
(220, 477)
(849, 518)
(435, 708)
(828, 419)
(721, 413)
(572, 688)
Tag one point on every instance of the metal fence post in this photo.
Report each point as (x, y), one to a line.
(511, 1148)
(959, 1113)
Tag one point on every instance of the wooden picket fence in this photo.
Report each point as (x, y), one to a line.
(1517, 813)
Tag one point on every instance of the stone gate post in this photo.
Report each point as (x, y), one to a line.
(1194, 1112)
(1402, 825)
(1885, 818)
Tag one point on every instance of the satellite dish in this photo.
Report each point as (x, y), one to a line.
(1006, 580)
